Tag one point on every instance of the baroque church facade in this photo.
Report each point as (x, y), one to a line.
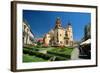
(59, 36)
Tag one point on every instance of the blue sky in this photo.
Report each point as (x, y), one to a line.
(43, 21)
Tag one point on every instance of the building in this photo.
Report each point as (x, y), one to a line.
(85, 45)
(28, 37)
(59, 36)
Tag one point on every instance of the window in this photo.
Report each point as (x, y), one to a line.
(66, 42)
(60, 42)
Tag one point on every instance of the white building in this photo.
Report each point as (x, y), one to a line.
(28, 37)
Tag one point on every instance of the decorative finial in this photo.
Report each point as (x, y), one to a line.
(58, 22)
(58, 17)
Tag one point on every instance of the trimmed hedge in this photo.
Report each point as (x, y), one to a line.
(59, 54)
(65, 52)
(44, 56)
(31, 48)
(38, 54)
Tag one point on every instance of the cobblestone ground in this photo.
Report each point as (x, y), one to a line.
(75, 54)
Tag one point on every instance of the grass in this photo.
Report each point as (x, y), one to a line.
(28, 58)
(65, 50)
(54, 51)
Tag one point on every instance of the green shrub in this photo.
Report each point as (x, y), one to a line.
(59, 54)
(60, 58)
(25, 51)
(38, 54)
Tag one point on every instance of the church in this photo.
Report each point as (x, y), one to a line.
(59, 36)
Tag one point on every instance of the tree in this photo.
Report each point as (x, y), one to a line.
(87, 32)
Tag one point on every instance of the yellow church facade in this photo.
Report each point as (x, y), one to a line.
(59, 36)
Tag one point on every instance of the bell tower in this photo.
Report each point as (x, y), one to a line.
(69, 34)
(58, 22)
(59, 33)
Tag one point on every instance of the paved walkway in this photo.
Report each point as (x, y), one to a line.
(75, 54)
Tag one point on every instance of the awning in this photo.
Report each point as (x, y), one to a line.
(86, 42)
